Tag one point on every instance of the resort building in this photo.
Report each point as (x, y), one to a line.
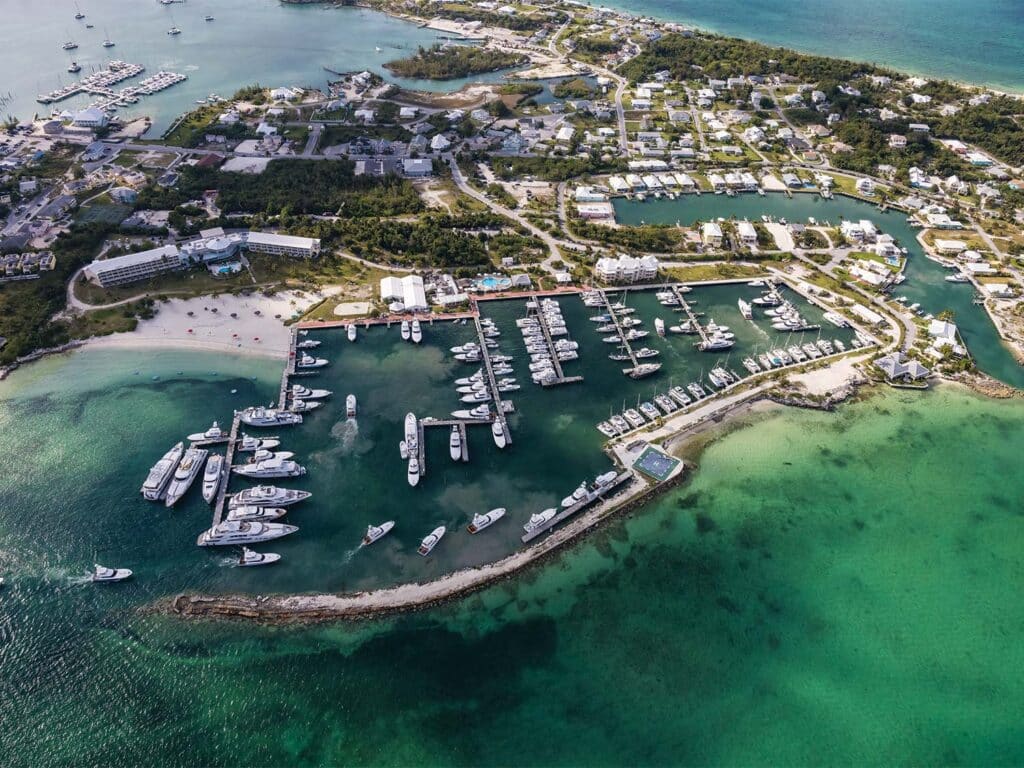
(133, 267)
(626, 269)
(405, 293)
(897, 367)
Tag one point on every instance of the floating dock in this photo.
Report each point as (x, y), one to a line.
(218, 505)
(623, 343)
(499, 405)
(568, 512)
(560, 377)
(690, 314)
(288, 372)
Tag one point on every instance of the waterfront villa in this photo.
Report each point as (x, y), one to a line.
(711, 234)
(626, 269)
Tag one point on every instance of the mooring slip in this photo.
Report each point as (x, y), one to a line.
(288, 372)
(218, 507)
(623, 341)
(694, 323)
(610, 490)
(492, 382)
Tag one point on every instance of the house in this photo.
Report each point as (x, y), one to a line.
(626, 269)
(365, 115)
(417, 167)
(792, 181)
(711, 234)
(124, 195)
(897, 367)
(950, 246)
(944, 335)
(897, 141)
(565, 134)
(408, 113)
(919, 128)
(865, 186)
(747, 233)
(439, 143)
(943, 221)
(285, 94)
(589, 195)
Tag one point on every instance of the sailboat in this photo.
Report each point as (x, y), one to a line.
(107, 42)
(78, 13)
(174, 28)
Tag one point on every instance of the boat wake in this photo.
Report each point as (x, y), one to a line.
(346, 432)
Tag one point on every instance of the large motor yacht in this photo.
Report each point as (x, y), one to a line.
(213, 476)
(234, 532)
(268, 417)
(375, 532)
(185, 474)
(160, 474)
(267, 496)
(482, 521)
(430, 540)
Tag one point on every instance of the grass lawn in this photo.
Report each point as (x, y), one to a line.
(700, 272)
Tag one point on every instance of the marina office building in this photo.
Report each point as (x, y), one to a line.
(212, 245)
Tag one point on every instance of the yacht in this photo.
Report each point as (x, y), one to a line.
(103, 574)
(247, 443)
(619, 423)
(498, 433)
(250, 558)
(160, 474)
(678, 394)
(751, 365)
(270, 468)
(745, 309)
(212, 477)
(838, 320)
(74, 67)
(607, 429)
(265, 455)
(308, 361)
(576, 496)
(430, 540)
(539, 519)
(213, 433)
(483, 521)
(645, 352)
(403, 450)
(174, 31)
(476, 397)
(648, 410)
(482, 411)
(659, 326)
(107, 42)
(665, 403)
(208, 17)
(249, 513)
(417, 332)
(70, 45)
(956, 277)
(308, 344)
(604, 480)
(302, 406)
(695, 389)
(299, 392)
(350, 406)
(413, 473)
(351, 331)
(268, 417)
(186, 472)
(233, 532)
(634, 418)
(267, 496)
(375, 532)
(406, 332)
(411, 431)
(476, 378)
(715, 343)
(455, 444)
(642, 370)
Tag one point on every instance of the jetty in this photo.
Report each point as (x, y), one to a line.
(609, 490)
(428, 421)
(492, 382)
(623, 342)
(690, 314)
(542, 321)
(288, 372)
(229, 459)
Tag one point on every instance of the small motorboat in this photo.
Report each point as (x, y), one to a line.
(103, 574)
(250, 558)
(375, 532)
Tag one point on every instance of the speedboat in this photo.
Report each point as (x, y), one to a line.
(233, 532)
(351, 331)
(300, 392)
(430, 540)
(375, 532)
(212, 477)
(186, 472)
(174, 31)
(498, 433)
(406, 333)
(411, 431)
(308, 361)
(247, 443)
(302, 406)
(267, 496)
(745, 309)
(413, 473)
(160, 474)
(350, 406)
(417, 332)
(659, 326)
(482, 411)
(74, 67)
(482, 521)
(259, 514)
(539, 519)
(270, 468)
(403, 450)
(308, 344)
(268, 417)
(103, 574)
(213, 433)
(576, 496)
(250, 558)
(605, 479)
(455, 444)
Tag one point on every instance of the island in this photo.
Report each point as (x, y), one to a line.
(449, 62)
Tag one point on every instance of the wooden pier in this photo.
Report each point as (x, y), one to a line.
(218, 505)
(560, 377)
(289, 371)
(499, 406)
(623, 343)
(462, 424)
(568, 512)
(690, 314)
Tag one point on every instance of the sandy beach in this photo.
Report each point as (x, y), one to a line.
(248, 325)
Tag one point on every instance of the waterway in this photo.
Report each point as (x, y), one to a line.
(909, 35)
(266, 42)
(824, 590)
(925, 283)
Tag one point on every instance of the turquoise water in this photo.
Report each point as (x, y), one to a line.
(251, 41)
(925, 278)
(966, 40)
(825, 590)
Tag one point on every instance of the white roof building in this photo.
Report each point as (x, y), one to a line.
(407, 290)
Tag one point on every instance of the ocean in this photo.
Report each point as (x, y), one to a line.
(827, 588)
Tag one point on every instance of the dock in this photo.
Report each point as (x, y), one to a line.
(560, 377)
(229, 458)
(499, 406)
(568, 512)
(288, 372)
(690, 314)
(623, 343)
(462, 424)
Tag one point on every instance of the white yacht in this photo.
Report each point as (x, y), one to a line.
(303, 406)
(103, 574)
(659, 326)
(538, 520)
(213, 476)
(351, 332)
(430, 540)
(247, 443)
(350, 406)
(411, 431)
(249, 513)
(250, 558)
(715, 343)
(300, 392)
(483, 521)
(233, 532)
(308, 344)
(403, 450)
(576, 496)
(482, 411)
(375, 532)
(417, 332)
(267, 496)
(213, 433)
(605, 479)
(476, 397)
(308, 361)
(745, 309)
(406, 331)
(268, 417)
(455, 444)
(270, 468)
(160, 474)
(186, 472)
(264, 455)
(413, 474)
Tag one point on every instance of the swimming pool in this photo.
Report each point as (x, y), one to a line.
(491, 283)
